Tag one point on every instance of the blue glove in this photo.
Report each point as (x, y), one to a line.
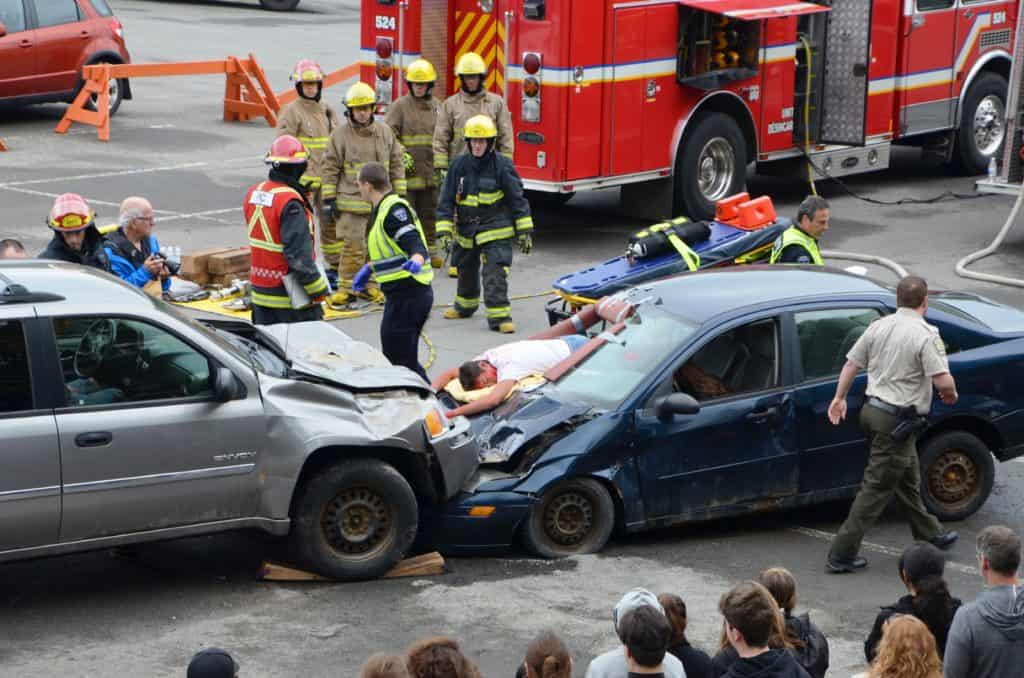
(412, 266)
(362, 277)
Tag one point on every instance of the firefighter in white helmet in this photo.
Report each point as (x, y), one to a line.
(412, 118)
(311, 121)
(360, 140)
(471, 99)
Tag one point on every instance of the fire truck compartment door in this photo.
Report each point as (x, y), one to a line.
(844, 95)
(752, 10)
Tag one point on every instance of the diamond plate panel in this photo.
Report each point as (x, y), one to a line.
(845, 85)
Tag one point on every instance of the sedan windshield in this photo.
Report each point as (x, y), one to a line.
(607, 377)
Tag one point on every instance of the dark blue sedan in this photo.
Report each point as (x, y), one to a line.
(711, 401)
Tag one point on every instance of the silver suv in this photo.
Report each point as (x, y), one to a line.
(123, 420)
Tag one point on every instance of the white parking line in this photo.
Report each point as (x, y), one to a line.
(878, 548)
(100, 175)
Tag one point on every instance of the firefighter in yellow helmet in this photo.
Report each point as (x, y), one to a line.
(483, 210)
(471, 99)
(311, 121)
(412, 118)
(359, 140)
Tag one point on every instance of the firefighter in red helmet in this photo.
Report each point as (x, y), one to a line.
(75, 236)
(287, 284)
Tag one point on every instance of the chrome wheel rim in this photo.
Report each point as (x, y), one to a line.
(716, 166)
(989, 124)
(113, 89)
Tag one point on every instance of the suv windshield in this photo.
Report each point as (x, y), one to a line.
(615, 369)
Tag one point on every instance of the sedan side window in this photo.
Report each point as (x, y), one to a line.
(827, 336)
(15, 379)
(741, 360)
(112, 360)
(56, 12)
(12, 14)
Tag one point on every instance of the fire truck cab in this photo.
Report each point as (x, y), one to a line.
(672, 99)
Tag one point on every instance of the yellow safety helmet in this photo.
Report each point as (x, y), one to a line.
(422, 71)
(360, 94)
(480, 127)
(470, 63)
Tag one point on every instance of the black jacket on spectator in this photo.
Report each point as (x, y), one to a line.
(770, 664)
(905, 605)
(696, 662)
(92, 253)
(812, 650)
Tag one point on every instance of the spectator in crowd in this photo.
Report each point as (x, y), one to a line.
(727, 655)
(809, 645)
(547, 657)
(133, 250)
(382, 665)
(12, 249)
(212, 662)
(439, 658)
(645, 633)
(907, 650)
(751, 614)
(921, 566)
(612, 664)
(986, 639)
(75, 237)
(696, 662)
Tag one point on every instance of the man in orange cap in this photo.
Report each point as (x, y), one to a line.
(75, 236)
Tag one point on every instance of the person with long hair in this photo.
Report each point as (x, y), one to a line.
(547, 657)
(696, 662)
(907, 650)
(439, 658)
(810, 646)
(921, 568)
(727, 655)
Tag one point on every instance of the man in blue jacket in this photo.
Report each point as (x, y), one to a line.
(133, 249)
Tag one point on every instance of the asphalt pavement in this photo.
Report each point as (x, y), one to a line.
(96, 614)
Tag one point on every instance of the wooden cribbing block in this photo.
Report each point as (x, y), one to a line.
(425, 565)
(195, 262)
(230, 261)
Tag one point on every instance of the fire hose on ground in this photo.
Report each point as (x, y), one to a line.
(961, 266)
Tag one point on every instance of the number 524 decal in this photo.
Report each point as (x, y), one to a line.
(384, 22)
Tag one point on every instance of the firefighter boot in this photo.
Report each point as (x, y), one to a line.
(505, 326)
(453, 272)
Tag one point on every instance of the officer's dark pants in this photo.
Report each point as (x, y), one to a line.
(893, 468)
(496, 258)
(271, 316)
(405, 313)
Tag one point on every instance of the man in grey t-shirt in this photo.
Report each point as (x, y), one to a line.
(612, 664)
(905, 358)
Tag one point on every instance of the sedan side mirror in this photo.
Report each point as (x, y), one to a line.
(676, 403)
(225, 386)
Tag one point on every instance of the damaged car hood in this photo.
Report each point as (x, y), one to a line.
(506, 429)
(319, 349)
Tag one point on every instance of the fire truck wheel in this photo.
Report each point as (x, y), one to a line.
(279, 5)
(982, 123)
(711, 165)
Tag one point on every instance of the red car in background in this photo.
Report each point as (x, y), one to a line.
(45, 43)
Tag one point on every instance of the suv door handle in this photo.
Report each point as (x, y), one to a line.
(25, 42)
(84, 34)
(93, 438)
(761, 416)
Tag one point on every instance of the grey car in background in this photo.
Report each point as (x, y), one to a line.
(123, 420)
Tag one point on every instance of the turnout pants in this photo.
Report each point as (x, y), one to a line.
(424, 202)
(330, 244)
(352, 228)
(893, 468)
(495, 258)
(405, 314)
(262, 315)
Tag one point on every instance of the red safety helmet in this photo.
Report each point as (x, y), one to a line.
(70, 213)
(307, 70)
(286, 150)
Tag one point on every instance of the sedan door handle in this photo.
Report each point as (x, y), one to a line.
(25, 42)
(84, 34)
(94, 439)
(760, 416)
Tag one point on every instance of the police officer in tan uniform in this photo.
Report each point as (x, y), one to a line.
(905, 358)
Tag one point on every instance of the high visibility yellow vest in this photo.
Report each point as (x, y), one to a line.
(386, 256)
(794, 236)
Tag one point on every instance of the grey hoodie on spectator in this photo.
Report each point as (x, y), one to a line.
(986, 639)
(612, 664)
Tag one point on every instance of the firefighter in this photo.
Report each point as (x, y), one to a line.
(471, 99)
(359, 141)
(483, 195)
(798, 244)
(75, 237)
(311, 121)
(400, 261)
(287, 285)
(412, 118)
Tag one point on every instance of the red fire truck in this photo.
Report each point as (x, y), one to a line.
(671, 99)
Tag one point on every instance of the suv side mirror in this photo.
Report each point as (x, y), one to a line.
(668, 406)
(225, 386)
(3, 29)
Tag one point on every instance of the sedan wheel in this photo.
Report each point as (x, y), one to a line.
(576, 516)
(957, 474)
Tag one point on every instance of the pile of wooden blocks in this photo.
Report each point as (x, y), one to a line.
(218, 266)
